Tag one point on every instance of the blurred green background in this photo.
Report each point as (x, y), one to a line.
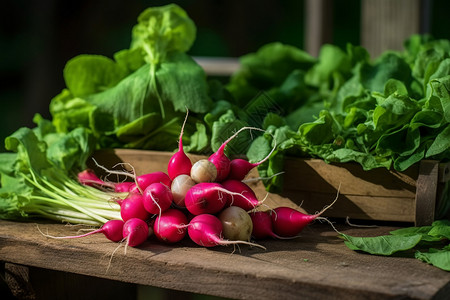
(37, 38)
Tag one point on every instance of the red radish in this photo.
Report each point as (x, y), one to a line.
(133, 207)
(123, 187)
(157, 198)
(179, 163)
(239, 168)
(221, 161)
(262, 225)
(180, 186)
(244, 196)
(112, 230)
(288, 222)
(170, 226)
(145, 180)
(206, 230)
(135, 231)
(206, 198)
(236, 223)
(88, 177)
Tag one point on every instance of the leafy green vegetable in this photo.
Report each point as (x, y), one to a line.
(382, 245)
(400, 242)
(436, 257)
(143, 92)
(389, 112)
(38, 181)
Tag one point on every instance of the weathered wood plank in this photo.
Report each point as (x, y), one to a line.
(427, 185)
(376, 194)
(316, 266)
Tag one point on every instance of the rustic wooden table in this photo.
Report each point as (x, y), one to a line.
(316, 265)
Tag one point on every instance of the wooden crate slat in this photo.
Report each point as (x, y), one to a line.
(427, 183)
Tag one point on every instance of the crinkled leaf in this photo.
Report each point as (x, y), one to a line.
(183, 83)
(382, 245)
(162, 30)
(88, 74)
(441, 143)
(224, 128)
(436, 257)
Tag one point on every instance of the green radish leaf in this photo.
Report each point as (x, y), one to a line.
(383, 245)
(436, 257)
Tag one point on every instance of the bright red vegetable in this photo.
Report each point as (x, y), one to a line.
(171, 226)
(205, 198)
(288, 222)
(243, 195)
(179, 163)
(146, 179)
(206, 230)
(135, 231)
(133, 207)
(262, 225)
(112, 230)
(157, 198)
(221, 161)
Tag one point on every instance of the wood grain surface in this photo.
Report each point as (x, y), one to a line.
(316, 265)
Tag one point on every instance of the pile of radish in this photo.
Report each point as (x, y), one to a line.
(208, 201)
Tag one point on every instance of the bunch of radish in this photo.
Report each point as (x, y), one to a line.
(208, 201)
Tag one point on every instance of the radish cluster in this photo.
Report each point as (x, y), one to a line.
(208, 201)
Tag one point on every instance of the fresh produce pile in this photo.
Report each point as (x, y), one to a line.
(206, 200)
(342, 106)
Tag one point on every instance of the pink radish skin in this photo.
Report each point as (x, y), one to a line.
(262, 225)
(239, 168)
(288, 222)
(206, 198)
(146, 179)
(179, 163)
(88, 177)
(157, 198)
(170, 226)
(206, 230)
(179, 188)
(135, 231)
(244, 198)
(133, 207)
(221, 161)
(123, 187)
(112, 230)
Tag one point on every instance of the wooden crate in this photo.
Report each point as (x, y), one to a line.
(378, 194)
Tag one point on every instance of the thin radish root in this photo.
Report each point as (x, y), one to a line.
(111, 256)
(227, 242)
(131, 174)
(256, 179)
(347, 221)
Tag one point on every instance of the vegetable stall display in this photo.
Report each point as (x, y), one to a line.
(390, 112)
